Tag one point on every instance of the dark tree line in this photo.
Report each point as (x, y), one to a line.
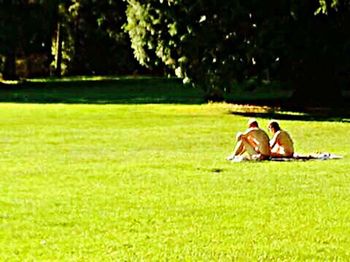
(64, 37)
(212, 44)
(215, 43)
(24, 30)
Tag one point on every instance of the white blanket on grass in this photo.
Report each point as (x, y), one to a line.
(313, 156)
(296, 157)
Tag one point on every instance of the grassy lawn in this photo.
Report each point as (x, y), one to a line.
(101, 90)
(132, 182)
(123, 90)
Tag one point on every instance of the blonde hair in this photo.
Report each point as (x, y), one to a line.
(253, 122)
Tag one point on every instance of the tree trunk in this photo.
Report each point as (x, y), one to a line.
(9, 72)
(58, 56)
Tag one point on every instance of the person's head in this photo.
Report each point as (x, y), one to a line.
(274, 126)
(252, 123)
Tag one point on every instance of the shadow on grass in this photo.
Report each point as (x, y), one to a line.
(287, 111)
(106, 90)
(302, 117)
(156, 90)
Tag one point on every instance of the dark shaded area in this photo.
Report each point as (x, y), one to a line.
(311, 116)
(160, 90)
(288, 110)
(217, 170)
(133, 90)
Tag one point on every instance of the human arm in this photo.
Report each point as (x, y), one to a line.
(274, 140)
(244, 134)
(239, 136)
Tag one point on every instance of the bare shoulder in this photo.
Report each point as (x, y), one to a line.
(250, 130)
(285, 133)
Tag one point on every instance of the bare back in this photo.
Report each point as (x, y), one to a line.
(282, 143)
(259, 139)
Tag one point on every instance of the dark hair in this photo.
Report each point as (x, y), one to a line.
(274, 125)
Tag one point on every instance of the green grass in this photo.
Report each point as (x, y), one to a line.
(151, 183)
(101, 90)
(123, 90)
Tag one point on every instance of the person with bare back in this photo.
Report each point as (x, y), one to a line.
(253, 144)
(281, 144)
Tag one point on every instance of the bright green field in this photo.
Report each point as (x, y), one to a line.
(151, 183)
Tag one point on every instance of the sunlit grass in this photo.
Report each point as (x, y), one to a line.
(91, 78)
(150, 182)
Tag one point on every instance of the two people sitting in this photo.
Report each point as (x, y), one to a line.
(255, 144)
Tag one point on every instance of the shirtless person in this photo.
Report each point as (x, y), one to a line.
(281, 143)
(254, 141)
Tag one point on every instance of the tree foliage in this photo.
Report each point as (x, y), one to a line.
(91, 37)
(24, 30)
(213, 43)
(94, 41)
(209, 43)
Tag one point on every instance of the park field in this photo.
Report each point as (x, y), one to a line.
(149, 182)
